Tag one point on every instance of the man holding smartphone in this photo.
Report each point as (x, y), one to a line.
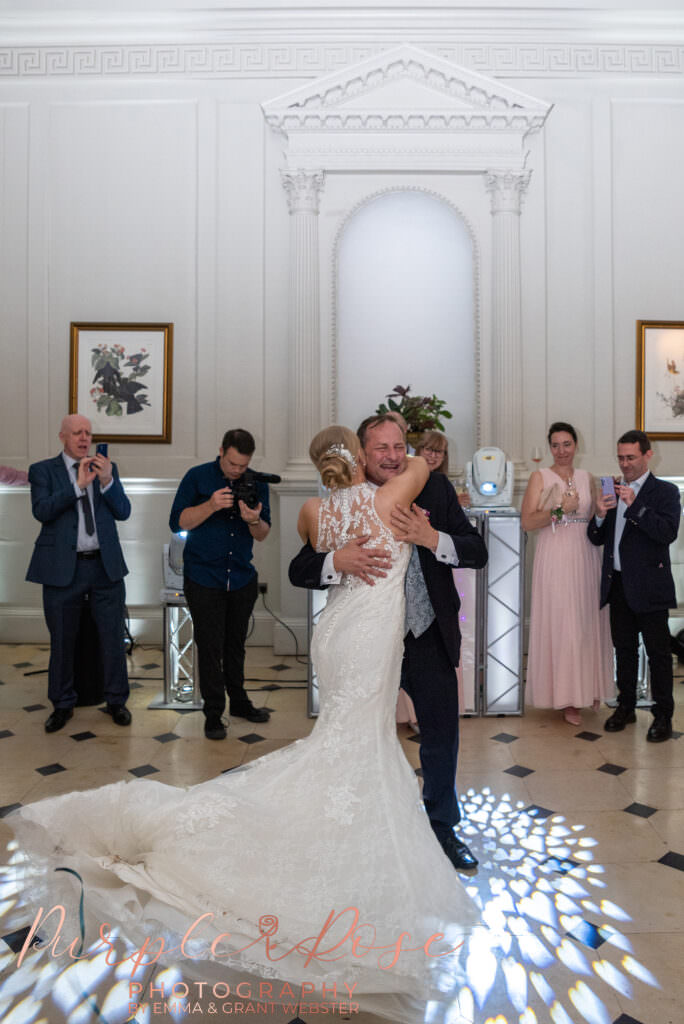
(636, 521)
(78, 498)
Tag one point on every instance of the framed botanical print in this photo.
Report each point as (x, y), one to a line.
(120, 377)
(660, 379)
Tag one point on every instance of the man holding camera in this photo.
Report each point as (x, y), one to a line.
(224, 509)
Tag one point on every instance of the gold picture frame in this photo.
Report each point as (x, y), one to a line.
(660, 379)
(120, 377)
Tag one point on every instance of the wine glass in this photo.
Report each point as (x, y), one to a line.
(537, 454)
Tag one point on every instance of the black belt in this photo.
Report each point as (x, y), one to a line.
(88, 554)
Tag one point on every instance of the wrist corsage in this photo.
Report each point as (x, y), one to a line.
(557, 516)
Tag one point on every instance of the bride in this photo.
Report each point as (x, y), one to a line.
(316, 865)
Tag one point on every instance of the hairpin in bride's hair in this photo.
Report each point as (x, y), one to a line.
(339, 449)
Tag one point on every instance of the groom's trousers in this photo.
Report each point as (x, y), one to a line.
(429, 678)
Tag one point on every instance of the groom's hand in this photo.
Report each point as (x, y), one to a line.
(356, 560)
(413, 526)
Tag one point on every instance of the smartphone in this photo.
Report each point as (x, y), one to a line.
(607, 487)
(102, 448)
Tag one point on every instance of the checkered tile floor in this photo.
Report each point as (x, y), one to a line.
(578, 831)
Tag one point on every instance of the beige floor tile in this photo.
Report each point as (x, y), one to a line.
(577, 791)
(670, 827)
(651, 893)
(619, 837)
(661, 1002)
(656, 787)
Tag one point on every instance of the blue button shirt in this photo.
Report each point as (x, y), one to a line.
(218, 552)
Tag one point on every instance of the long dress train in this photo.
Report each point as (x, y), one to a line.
(331, 825)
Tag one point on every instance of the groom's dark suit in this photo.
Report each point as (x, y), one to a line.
(67, 577)
(428, 668)
(641, 593)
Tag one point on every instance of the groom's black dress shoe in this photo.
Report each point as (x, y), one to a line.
(58, 719)
(619, 719)
(458, 853)
(120, 714)
(249, 712)
(661, 730)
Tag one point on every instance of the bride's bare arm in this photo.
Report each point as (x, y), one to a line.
(403, 488)
(307, 523)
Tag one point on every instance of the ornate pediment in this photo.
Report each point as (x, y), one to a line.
(405, 89)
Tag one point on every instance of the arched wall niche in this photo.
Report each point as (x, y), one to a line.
(402, 119)
(444, 263)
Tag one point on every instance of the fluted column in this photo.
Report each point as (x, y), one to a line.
(303, 190)
(507, 189)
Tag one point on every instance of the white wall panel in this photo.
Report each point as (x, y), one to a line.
(14, 363)
(648, 214)
(570, 271)
(121, 180)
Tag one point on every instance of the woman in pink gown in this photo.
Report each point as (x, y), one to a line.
(570, 656)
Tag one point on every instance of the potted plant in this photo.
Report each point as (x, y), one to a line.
(421, 412)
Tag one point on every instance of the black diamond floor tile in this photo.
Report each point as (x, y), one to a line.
(536, 811)
(280, 668)
(625, 1018)
(677, 735)
(135, 686)
(504, 737)
(590, 737)
(142, 770)
(5, 732)
(673, 860)
(641, 810)
(23, 664)
(51, 769)
(271, 686)
(414, 737)
(34, 707)
(186, 711)
(166, 737)
(251, 737)
(611, 769)
(150, 665)
(560, 864)
(297, 1020)
(519, 771)
(588, 934)
(80, 736)
(7, 809)
(16, 940)
(2, 682)
(419, 773)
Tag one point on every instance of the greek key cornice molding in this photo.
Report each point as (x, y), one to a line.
(257, 59)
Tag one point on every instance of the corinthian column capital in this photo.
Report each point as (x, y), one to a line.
(303, 190)
(507, 189)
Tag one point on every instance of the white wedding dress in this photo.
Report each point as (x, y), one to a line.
(332, 822)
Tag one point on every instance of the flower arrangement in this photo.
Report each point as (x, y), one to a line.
(113, 389)
(421, 412)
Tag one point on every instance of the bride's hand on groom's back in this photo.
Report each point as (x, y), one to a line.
(355, 559)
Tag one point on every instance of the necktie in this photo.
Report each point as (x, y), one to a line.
(87, 510)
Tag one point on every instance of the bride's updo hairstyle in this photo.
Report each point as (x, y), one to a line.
(333, 452)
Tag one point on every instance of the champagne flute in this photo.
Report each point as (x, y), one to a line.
(537, 454)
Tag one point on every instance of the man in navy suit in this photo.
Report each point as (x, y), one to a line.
(442, 538)
(636, 528)
(78, 499)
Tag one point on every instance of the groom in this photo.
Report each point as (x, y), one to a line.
(443, 538)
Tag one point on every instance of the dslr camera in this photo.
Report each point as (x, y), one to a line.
(245, 489)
